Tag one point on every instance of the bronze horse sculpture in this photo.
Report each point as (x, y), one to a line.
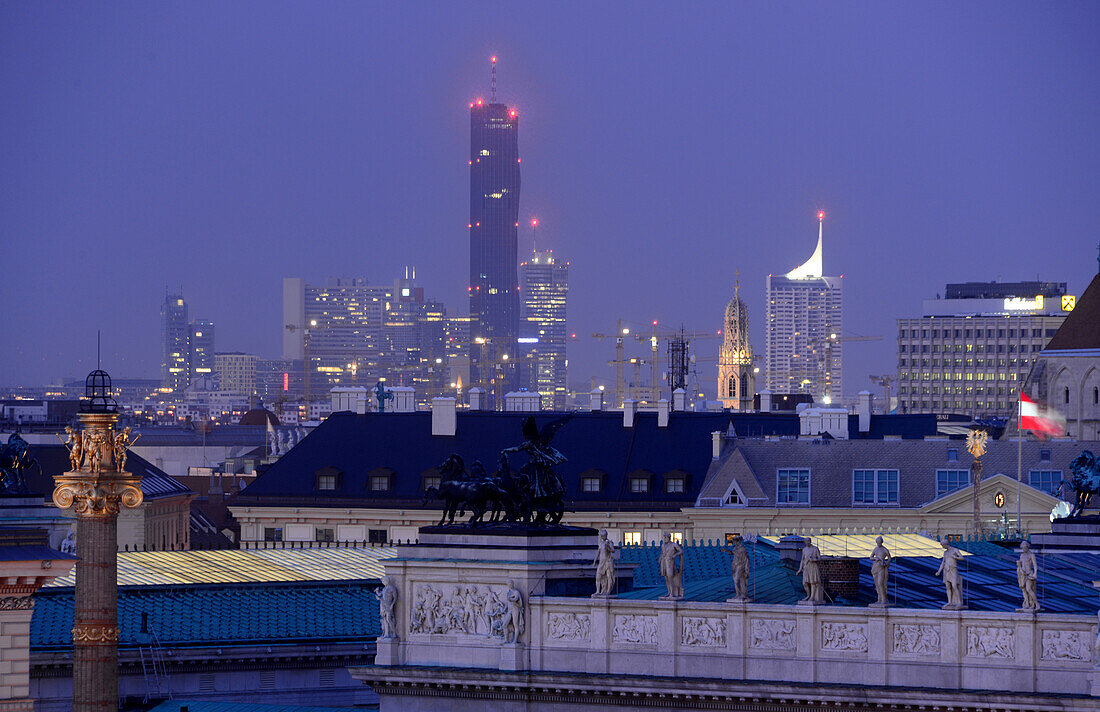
(1085, 481)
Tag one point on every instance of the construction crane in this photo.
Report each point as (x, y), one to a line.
(619, 361)
(885, 382)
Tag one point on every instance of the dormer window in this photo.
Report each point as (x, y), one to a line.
(328, 478)
(590, 484)
(639, 485)
(674, 485)
(1044, 455)
(953, 454)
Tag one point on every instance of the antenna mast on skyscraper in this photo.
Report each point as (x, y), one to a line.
(493, 84)
(534, 234)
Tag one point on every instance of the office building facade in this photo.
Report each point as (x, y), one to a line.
(174, 333)
(971, 351)
(804, 318)
(494, 221)
(236, 372)
(200, 350)
(543, 338)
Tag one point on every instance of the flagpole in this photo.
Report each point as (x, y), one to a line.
(1019, 460)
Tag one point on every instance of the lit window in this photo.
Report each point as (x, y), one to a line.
(639, 485)
(948, 481)
(632, 538)
(590, 484)
(793, 487)
(678, 537)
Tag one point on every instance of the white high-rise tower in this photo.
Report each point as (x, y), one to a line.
(804, 320)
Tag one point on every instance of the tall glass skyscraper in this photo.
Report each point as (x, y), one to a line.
(174, 333)
(804, 320)
(494, 222)
(542, 332)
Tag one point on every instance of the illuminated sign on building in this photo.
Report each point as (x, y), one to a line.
(1021, 304)
(286, 381)
(1068, 302)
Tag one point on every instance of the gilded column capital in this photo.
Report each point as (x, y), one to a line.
(97, 485)
(95, 634)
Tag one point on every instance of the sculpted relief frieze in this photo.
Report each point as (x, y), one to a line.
(768, 634)
(990, 642)
(706, 632)
(917, 639)
(635, 629)
(568, 626)
(844, 636)
(1066, 645)
(467, 609)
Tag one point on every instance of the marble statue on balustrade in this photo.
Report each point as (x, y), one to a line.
(672, 568)
(949, 571)
(810, 568)
(740, 569)
(605, 566)
(1027, 576)
(387, 604)
(880, 572)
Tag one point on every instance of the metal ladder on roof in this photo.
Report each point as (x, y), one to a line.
(153, 670)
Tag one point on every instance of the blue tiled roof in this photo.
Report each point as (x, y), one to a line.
(223, 615)
(356, 445)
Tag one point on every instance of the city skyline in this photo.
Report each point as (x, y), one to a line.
(895, 184)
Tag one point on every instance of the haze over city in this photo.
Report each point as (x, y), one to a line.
(220, 148)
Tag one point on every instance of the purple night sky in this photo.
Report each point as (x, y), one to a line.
(224, 146)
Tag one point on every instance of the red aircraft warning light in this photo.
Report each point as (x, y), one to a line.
(820, 214)
(493, 59)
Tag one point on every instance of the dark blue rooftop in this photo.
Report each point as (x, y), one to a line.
(402, 445)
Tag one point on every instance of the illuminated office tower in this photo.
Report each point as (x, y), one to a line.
(494, 220)
(174, 333)
(804, 319)
(973, 349)
(544, 292)
(200, 350)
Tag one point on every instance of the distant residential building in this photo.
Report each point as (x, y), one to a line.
(1067, 371)
(736, 378)
(236, 372)
(804, 320)
(544, 291)
(971, 351)
(174, 332)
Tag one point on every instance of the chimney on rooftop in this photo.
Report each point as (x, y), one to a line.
(679, 400)
(630, 409)
(477, 398)
(404, 399)
(765, 401)
(444, 417)
(595, 400)
(863, 408)
(662, 413)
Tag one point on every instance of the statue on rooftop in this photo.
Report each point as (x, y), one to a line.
(387, 604)
(880, 571)
(121, 445)
(544, 488)
(949, 570)
(1085, 481)
(810, 568)
(15, 460)
(1027, 576)
(671, 552)
(605, 565)
(740, 568)
(382, 395)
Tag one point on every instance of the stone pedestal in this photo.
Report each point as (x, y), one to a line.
(1069, 534)
(386, 651)
(458, 589)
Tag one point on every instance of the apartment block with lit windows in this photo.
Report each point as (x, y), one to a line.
(972, 350)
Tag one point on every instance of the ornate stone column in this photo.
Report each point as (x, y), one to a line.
(96, 489)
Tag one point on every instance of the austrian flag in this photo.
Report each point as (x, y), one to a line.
(1037, 417)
